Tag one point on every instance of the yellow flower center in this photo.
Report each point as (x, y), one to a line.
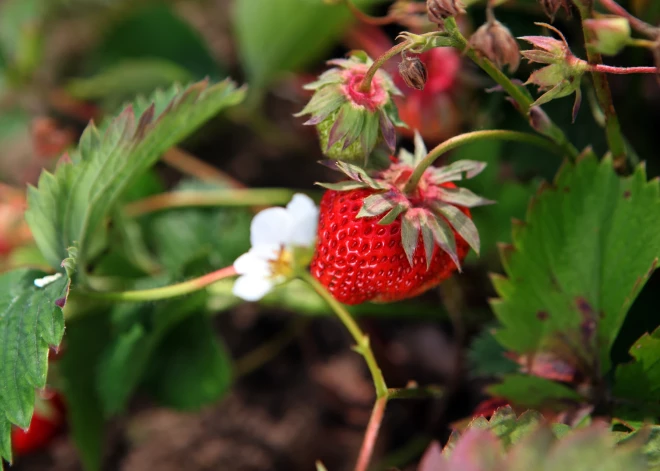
(282, 266)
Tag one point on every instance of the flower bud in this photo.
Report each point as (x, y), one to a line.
(495, 41)
(611, 34)
(439, 10)
(413, 72)
(551, 7)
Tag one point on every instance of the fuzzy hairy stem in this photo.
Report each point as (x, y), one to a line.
(184, 199)
(522, 100)
(475, 136)
(608, 69)
(615, 140)
(361, 339)
(165, 292)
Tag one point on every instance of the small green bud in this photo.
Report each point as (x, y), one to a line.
(611, 34)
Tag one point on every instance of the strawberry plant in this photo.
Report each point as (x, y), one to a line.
(501, 239)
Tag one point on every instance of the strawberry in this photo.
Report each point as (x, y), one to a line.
(377, 243)
(46, 422)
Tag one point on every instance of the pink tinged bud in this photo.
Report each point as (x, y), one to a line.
(610, 34)
(413, 72)
(439, 10)
(495, 41)
(546, 50)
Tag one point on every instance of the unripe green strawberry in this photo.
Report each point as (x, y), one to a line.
(377, 243)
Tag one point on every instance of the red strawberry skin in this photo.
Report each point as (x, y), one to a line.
(41, 430)
(358, 260)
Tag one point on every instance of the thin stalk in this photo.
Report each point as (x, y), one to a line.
(365, 86)
(608, 69)
(367, 449)
(235, 197)
(188, 164)
(470, 137)
(415, 393)
(523, 101)
(615, 140)
(637, 24)
(165, 292)
(361, 339)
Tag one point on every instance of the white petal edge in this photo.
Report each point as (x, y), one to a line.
(305, 218)
(252, 287)
(252, 263)
(271, 226)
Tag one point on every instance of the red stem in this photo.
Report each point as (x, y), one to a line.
(371, 434)
(608, 69)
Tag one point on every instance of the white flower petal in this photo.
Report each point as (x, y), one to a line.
(305, 218)
(270, 227)
(253, 263)
(252, 287)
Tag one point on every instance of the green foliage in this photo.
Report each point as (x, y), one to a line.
(571, 276)
(534, 391)
(487, 356)
(638, 382)
(30, 323)
(529, 443)
(276, 37)
(70, 205)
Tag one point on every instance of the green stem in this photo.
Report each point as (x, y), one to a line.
(615, 140)
(518, 94)
(470, 137)
(361, 339)
(365, 86)
(229, 197)
(165, 292)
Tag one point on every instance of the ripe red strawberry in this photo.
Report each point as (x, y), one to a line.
(375, 243)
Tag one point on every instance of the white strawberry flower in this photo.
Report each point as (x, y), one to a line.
(282, 240)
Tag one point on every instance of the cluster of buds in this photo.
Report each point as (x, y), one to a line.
(350, 120)
(563, 73)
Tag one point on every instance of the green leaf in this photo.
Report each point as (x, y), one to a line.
(487, 358)
(71, 204)
(571, 275)
(21, 35)
(30, 323)
(129, 352)
(286, 35)
(191, 368)
(87, 337)
(533, 391)
(639, 380)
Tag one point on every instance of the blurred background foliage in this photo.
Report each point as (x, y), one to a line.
(65, 62)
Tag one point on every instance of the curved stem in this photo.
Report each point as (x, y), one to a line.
(475, 136)
(361, 339)
(371, 434)
(608, 69)
(365, 86)
(165, 292)
(636, 23)
(615, 140)
(188, 164)
(230, 197)
(518, 94)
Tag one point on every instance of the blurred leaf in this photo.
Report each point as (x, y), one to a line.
(487, 358)
(155, 31)
(649, 437)
(130, 350)
(191, 368)
(570, 278)
(30, 323)
(512, 197)
(285, 35)
(86, 339)
(122, 81)
(533, 391)
(648, 10)
(21, 40)
(71, 204)
(639, 380)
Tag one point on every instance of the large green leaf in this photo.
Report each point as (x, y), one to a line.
(533, 391)
(86, 339)
(70, 205)
(588, 245)
(30, 323)
(285, 35)
(191, 368)
(639, 381)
